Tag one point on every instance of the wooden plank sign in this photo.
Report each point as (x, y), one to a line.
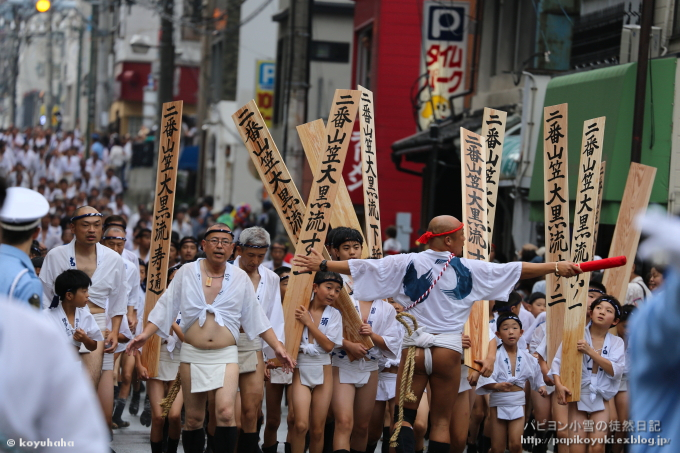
(313, 138)
(277, 180)
(321, 199)
(493, 131)
(626, 236)
(556, 209)
(369, 170)
(271, 168)
(582, 242)
(473, 177)
(600, 191)
(163, 208)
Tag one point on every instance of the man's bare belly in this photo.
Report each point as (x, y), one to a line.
(210, 336)
(94, 308)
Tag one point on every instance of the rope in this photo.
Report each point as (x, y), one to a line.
(405, 389)
(166, 403)
(420, 299)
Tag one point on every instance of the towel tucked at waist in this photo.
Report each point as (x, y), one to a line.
(207, 365)
(422, 339)
(510, 405)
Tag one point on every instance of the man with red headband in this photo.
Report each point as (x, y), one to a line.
(439, 289)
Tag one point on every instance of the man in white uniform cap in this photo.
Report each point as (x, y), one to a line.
(20, 222)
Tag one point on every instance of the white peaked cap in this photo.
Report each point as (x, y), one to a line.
(23, 209)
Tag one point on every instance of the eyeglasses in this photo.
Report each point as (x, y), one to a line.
(214, 242)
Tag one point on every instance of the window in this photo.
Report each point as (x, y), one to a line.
(364, 56)
(134, 125)
(333, 52)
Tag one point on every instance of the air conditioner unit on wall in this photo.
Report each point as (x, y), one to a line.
(630, 43)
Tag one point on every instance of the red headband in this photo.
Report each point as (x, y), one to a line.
(425, 238)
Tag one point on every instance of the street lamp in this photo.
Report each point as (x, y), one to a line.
(42, 6)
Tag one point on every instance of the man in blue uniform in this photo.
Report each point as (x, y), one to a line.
(20, 224)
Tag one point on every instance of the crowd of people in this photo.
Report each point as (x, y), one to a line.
(223, 365)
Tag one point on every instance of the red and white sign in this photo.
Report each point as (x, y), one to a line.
(445, 30)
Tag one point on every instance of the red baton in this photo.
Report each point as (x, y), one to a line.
(607, 263)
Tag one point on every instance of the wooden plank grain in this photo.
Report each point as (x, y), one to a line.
(556, 210)
(319, 207)
(600, 191)
(582, 250)
(369, 170)
(277, 180)
(473, 180)
(163, 208)
(312, 135)
(493, 131)
(626, 236)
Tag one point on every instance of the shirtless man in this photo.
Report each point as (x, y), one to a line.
(220, 296)
(252, 247)
(407, 278)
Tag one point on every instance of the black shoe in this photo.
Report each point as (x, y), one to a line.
(134, 403)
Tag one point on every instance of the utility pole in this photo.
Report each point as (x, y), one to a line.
(641, 80)
(167, 59)
(299, 35)
(14, 70)
(92, 79)
(79, 74)
(204, 90)
(230, 41)
(49, 102)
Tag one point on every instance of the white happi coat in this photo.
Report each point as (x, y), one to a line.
(331, 326)
(383, 321)
(109, 280)
(407, 277)
(269, 296)
(510, 405)
(596, 389)
(235, 305)
(132, 279)
(83, 320)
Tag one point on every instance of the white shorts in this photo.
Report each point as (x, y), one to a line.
(623, 386)
(207, 366)
(107, 363)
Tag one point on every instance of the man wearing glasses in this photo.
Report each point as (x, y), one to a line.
(220, 296)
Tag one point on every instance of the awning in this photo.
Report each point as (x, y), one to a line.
(610, 92)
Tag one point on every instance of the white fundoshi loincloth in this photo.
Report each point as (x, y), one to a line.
(247, 353)
(278, 376)
(167, 366)
(424, 340)
(107, 363)
(387, 386)
(310, 368)
(510, 405)
(207, 365)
